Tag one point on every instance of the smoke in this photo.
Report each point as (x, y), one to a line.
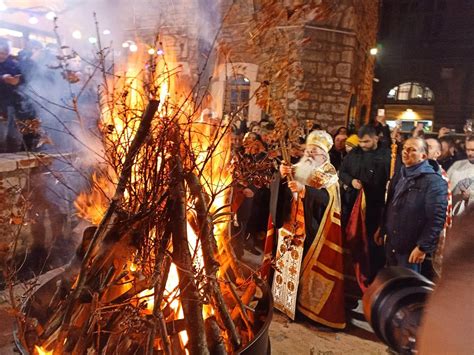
(188, 28)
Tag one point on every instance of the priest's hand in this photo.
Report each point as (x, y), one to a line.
(297, 187)
(286, 169)
(416, 256)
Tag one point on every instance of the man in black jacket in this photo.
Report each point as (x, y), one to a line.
(10, 78)
(367, 166)
(416, 208)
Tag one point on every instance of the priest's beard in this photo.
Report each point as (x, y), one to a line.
(305, 167)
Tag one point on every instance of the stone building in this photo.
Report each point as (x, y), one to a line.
(425, 66)
(317, 63)
(330, 69)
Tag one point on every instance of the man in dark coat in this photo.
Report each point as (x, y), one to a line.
(367, 167)
(416, 208)
(10, 78)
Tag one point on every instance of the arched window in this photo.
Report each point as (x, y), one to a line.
(238, 95)
(411, 91)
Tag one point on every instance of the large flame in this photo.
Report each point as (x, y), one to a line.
(212, 158)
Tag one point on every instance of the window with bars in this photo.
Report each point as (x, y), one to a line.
(237, 96)
(411, 91)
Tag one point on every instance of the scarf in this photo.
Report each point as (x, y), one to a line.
(409, 174)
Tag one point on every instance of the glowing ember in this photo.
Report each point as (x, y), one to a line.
(40, 351)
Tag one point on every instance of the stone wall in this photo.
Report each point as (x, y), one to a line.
(15, 169)
(314, 66)
(329, 59)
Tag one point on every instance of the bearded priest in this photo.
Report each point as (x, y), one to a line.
(305, 212)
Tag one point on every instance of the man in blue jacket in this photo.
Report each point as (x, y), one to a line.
(416, 208)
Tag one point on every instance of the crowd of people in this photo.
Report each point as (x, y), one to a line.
(321, 208)
(350, 203)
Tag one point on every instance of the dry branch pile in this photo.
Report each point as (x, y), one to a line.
(157, 273)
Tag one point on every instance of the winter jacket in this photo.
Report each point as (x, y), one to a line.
(372, 168)
(416, 209)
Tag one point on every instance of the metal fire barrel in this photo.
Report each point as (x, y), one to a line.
(393, 305)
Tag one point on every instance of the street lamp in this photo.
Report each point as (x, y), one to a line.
(33, 20)
(76, 34)
(51, 15)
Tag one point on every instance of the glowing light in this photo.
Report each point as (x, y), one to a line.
(409, 114)
(160, 52)
(92, 40)
(92, 206)
(106, 32)
(151, 51)
(50, 16)
(148, 295)
(8, 32)
(33, 20)
(133, 47)
(373, 51)
(41, 351)
(125, 44)
(77, 34)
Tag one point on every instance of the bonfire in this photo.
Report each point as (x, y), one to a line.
(155, 273)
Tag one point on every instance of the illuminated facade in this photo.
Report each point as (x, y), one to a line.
(425, 61)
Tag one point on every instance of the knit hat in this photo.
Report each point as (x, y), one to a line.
(352, 141)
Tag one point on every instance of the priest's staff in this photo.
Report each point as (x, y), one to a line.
(394, 150)
(287, 158)
(393, 163)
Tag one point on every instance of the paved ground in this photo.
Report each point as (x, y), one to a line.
(289, 338)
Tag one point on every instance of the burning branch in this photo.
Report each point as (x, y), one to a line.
(209, 248)
(192, 305)
(107, 223)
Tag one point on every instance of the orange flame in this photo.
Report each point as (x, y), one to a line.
(41, 351)
(92, 206)
(215, 177)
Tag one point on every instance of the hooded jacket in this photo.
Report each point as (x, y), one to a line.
(416, 208)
